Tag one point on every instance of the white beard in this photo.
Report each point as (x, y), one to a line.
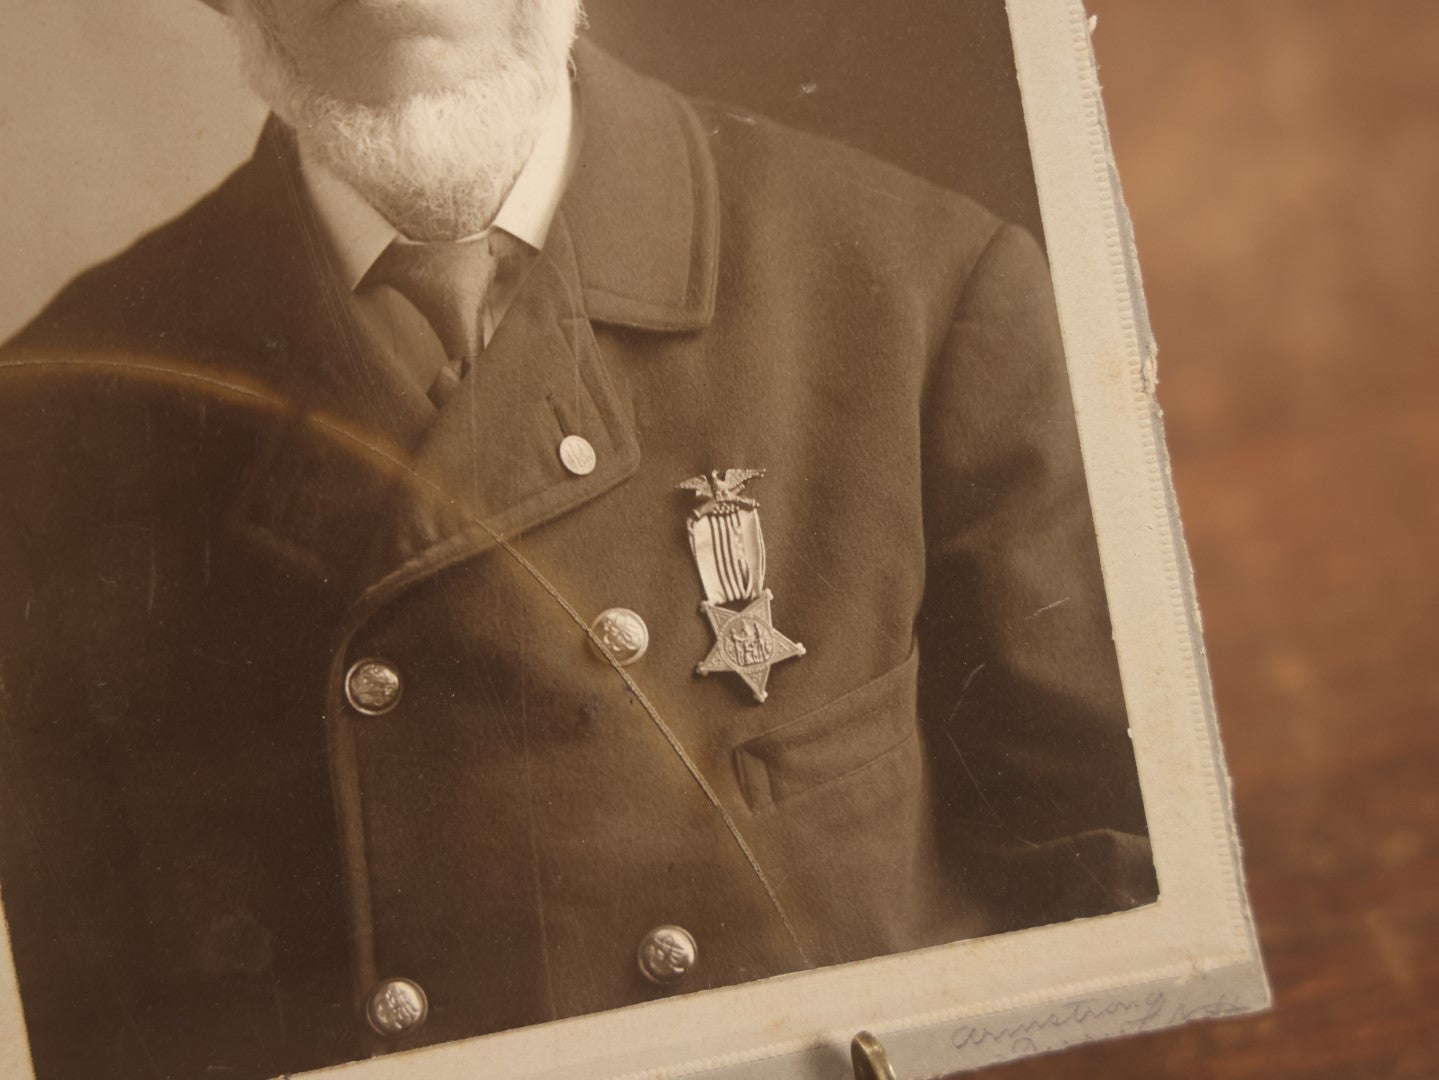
(437, 165)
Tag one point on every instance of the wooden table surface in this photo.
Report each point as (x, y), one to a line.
(1281, 160)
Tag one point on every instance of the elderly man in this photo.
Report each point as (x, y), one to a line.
(529, 543)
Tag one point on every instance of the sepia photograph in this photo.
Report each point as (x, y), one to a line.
(517, 511)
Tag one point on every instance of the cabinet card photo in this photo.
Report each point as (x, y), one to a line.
(542, 541)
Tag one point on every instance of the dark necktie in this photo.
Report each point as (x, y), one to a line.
(447, 282)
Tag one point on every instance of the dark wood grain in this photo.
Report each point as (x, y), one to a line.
(1281, 160)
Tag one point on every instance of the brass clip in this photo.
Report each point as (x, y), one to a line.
(870, 1061)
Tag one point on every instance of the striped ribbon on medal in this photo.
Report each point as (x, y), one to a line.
(729, 551)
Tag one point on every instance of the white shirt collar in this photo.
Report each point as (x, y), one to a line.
(358, 233)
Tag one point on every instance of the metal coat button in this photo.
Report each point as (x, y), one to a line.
(577, 455)
(372, 687)
(623, 634)
(667, 954)
(397, 1007)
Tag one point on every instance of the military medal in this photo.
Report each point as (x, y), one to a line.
(728, 548)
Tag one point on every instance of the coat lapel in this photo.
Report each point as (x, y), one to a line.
(490, 464)
(364, 483)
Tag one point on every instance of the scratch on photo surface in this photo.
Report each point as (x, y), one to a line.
(536, 860)
(998, 820)
(278, 1001)
(949, 734)
(150, 591)
(963, 693)
(852, 182)
(1047, 607)
(216, 658)
(1105, 887)
(855, 605)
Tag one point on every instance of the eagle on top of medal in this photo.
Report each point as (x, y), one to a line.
(719, 492)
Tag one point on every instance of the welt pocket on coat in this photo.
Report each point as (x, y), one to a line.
(838, 738)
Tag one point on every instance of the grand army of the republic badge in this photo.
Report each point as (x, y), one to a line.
(728, 547)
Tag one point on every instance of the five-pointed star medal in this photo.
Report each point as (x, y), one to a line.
(747, 643)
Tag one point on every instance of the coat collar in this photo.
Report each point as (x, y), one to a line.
(643, 204)
(540, 380)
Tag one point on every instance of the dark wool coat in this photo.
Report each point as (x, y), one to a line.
(215, 501)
